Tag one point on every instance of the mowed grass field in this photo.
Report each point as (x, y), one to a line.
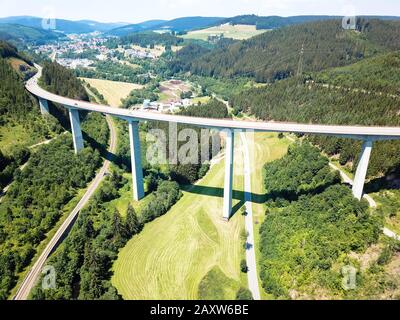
(113, 91)
(173, 254)
(239, 32)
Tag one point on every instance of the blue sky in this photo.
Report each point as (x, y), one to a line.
(140, 10)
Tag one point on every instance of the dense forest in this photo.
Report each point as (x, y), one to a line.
(377, 75)
(275, 55)
(18, 111)
(113, 71)
(35, 201)
(312, 226)
(39, 193)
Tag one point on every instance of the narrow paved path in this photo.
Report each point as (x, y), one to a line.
(252, 275)
(33, 274)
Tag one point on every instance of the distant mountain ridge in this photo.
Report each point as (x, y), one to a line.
(62, 25)
(186, 24)
(183, 24)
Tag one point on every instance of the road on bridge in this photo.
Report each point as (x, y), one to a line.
(33, 274)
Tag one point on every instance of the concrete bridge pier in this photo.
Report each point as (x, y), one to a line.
(229, 153)
(359, 180)
(76, 129)
(44, 106)
(136, 160)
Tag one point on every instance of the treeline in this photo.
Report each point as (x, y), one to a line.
(377, 75)
(293, 100)
(114, 71)
(313, 224)
(146, 39)
(275, 55)
(212, 109)
(221, 87)
(149, 92)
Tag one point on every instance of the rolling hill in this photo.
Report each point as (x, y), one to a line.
(364, 93)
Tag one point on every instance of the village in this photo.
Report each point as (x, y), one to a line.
(83, 50)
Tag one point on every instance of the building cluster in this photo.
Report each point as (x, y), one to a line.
(140, 54)
(75, 63)
(172, 106)
(76, 44)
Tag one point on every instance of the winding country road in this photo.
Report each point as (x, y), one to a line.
(31, 278)
(252, 275)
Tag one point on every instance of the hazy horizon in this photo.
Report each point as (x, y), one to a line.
(134, 11)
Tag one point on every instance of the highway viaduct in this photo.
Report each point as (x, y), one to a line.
(368, 135)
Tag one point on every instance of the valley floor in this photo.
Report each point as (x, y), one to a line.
(173, 254)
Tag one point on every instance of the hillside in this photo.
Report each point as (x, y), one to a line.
(275, 55)
(377, 75)
(296, 100)
(18, 33)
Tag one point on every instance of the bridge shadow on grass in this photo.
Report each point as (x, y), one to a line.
(219, 193)
(103, 149)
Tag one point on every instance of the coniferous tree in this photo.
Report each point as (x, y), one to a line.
(133, 225)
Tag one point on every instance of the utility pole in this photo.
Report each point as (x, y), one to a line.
(300, 66)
